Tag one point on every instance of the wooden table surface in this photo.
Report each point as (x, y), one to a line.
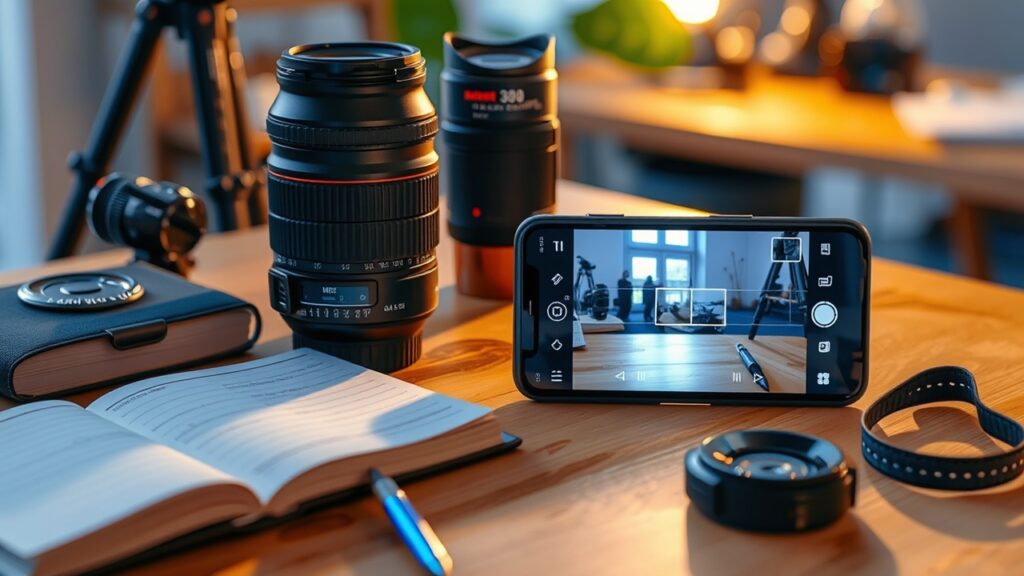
(598, 489)
(788, 126)
(780, 125)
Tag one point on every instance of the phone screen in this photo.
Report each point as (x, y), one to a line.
(689, 311)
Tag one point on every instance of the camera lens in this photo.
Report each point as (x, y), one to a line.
(499, 108)
(353, 193)
(162, 219)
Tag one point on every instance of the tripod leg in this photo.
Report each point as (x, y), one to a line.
(221, 127)
(799, 279)
(763, 303)
(236, 63)
(90, 164)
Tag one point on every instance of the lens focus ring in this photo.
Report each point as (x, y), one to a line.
(354, 241)
(330, 137)
(352, 202)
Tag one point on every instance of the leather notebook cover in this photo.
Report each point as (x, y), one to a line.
(176, 323)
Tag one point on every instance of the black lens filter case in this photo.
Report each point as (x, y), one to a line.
(770, 480)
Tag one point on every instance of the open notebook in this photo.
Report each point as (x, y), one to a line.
(148, 462)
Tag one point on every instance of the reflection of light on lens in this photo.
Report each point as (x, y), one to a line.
(693, 11)
(776, 48)
(722, 457)
(796, 20)
(735, 44)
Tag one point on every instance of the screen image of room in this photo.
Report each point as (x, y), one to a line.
(664, 310)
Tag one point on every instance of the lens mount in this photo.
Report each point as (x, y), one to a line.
(769, 481)
(385, 355)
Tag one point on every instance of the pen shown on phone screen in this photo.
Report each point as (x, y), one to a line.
(752, 366)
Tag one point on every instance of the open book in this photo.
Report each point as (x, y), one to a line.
(80, 488)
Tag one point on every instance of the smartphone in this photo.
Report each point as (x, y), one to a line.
(708, 310)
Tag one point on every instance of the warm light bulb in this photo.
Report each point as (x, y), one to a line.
(693, 11)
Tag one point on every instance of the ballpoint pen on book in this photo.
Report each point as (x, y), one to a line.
(418, 536)
(752, 366)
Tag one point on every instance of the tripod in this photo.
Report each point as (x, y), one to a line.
(594, 296)
(218, 79)
(797, 275)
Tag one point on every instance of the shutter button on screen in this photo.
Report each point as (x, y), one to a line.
(824, 314)
(557, 311)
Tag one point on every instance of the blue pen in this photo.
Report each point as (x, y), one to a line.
(418, 536)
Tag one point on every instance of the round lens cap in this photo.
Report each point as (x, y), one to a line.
(769, 480)
(81, 291)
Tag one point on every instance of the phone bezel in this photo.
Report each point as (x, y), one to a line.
(713, 222)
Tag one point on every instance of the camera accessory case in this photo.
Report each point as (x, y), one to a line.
(52, 351)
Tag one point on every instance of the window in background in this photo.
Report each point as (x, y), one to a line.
(665, 255)
(677, 237)
(645, 236)
(677, 272)
(640, 268)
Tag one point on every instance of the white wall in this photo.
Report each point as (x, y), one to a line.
(21, 231)
(754, 249)
(604, 249)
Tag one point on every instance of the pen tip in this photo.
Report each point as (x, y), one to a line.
(375, 475)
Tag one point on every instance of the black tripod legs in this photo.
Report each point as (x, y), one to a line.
(218, 88)
(218, 79)
(91, 164)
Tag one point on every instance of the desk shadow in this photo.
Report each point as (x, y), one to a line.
(954, 423)
(275, 346)
(848, 546)
(992, 514)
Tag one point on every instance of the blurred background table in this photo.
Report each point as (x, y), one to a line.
(598, 489)
(789, 126)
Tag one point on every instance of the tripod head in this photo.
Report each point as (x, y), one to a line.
(585, 264)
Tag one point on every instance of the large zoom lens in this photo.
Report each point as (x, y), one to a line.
(352, 183)
(499, 109)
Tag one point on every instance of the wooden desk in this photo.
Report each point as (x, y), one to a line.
(599, 489)
(787, 126)
(675, 361)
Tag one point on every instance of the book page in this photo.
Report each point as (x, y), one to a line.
(66, 473)
(271, 419)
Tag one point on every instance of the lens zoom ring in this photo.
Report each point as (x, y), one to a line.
(354, 241)
(326, 137)
(357, 202)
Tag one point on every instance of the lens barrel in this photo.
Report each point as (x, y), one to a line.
(353, 195)
(157, 217)
(499, 105)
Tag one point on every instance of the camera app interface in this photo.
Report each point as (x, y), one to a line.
(709, 311)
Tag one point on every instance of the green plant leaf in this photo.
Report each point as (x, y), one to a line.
(422, 23)
(641, 32)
